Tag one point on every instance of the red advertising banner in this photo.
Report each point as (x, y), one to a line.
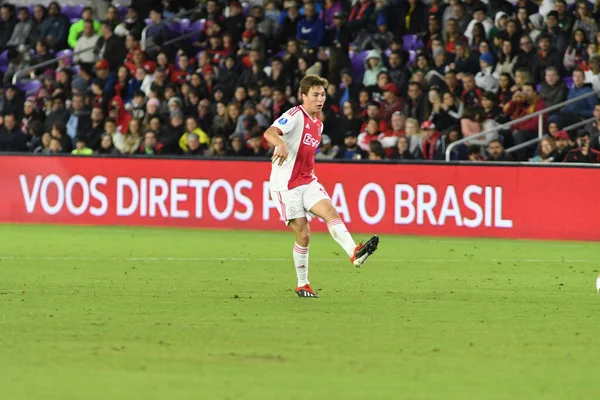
(440, 200)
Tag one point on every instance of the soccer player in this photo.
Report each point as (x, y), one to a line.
(294, 187)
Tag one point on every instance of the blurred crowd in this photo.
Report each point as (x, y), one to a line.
(407, 78)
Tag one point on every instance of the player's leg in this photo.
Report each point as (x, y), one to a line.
(289, 205)
(301, 229)
(320, 205)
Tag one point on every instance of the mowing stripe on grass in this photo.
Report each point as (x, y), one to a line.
(427, 260)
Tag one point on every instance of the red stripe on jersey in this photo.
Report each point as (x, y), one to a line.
(294, 110)
(282, 206)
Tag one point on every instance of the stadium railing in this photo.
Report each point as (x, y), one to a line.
(55, 60)
(539, 138)
(508, 124)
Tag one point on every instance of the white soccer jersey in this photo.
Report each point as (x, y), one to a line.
(302, 136)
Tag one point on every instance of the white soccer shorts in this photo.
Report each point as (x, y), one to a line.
(297, 202)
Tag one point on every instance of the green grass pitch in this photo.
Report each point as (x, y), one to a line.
(137, 313)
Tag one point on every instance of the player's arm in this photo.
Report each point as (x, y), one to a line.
(273, 136)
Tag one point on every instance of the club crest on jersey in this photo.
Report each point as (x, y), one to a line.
(282, 121)
(310, 141)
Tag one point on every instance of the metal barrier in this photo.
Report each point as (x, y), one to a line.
(519, 120)
(539, 139)
(28, 70)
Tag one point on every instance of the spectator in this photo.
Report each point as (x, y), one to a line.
(401, 152)
(43, 147)
(59, 131)
(193, 146)
(53, 146)
(55, 28)
(593, 127)
(288, 26)
(584, 20)
(417, 104)
(77, 28)
(553, 90)
(507, 61)
(527, 53)
(459, 152)
(429, 140)
(376, 152)
(350, 150)
(107, 147)
(11, 137)
(547, 151)
(545, 57)
(496, 152)
(576, 52)
(583, 153)
(412, 18)
(338, 38)
(39, 16)
(484, 79)
(373, 66)
(217, 147)
(558, 38)
(133, 137)
(22, 29)
(238, 147)
(191, 126)
(471, 95)
(326, 150)
(256, 145)
(479, 17)
(310, 29)
(583, 108)
(79, 120)
(563, 146)
(133, 25)
(150, 147)
(110, 47)
(8, 25)
(80, 148)
(523, 103)
(88, 39)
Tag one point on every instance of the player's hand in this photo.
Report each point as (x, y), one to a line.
(280, 154)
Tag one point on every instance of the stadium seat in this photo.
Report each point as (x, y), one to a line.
(66, 54)
(122, 11)
(29, 87)
(569, 82)
(358, 64)
(412, 42)
(195, 27)
(412, 57)
(77, 10)
(175, 27)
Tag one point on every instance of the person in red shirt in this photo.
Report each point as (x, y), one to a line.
(138, 59)
(391, 102)
(429, 140)
(390, 137)
(524, 102)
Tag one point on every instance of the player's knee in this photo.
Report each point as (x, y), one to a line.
(304, 236)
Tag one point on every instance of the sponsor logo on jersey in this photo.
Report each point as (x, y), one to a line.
(307, 126)
(282, 121)
(310, 141)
